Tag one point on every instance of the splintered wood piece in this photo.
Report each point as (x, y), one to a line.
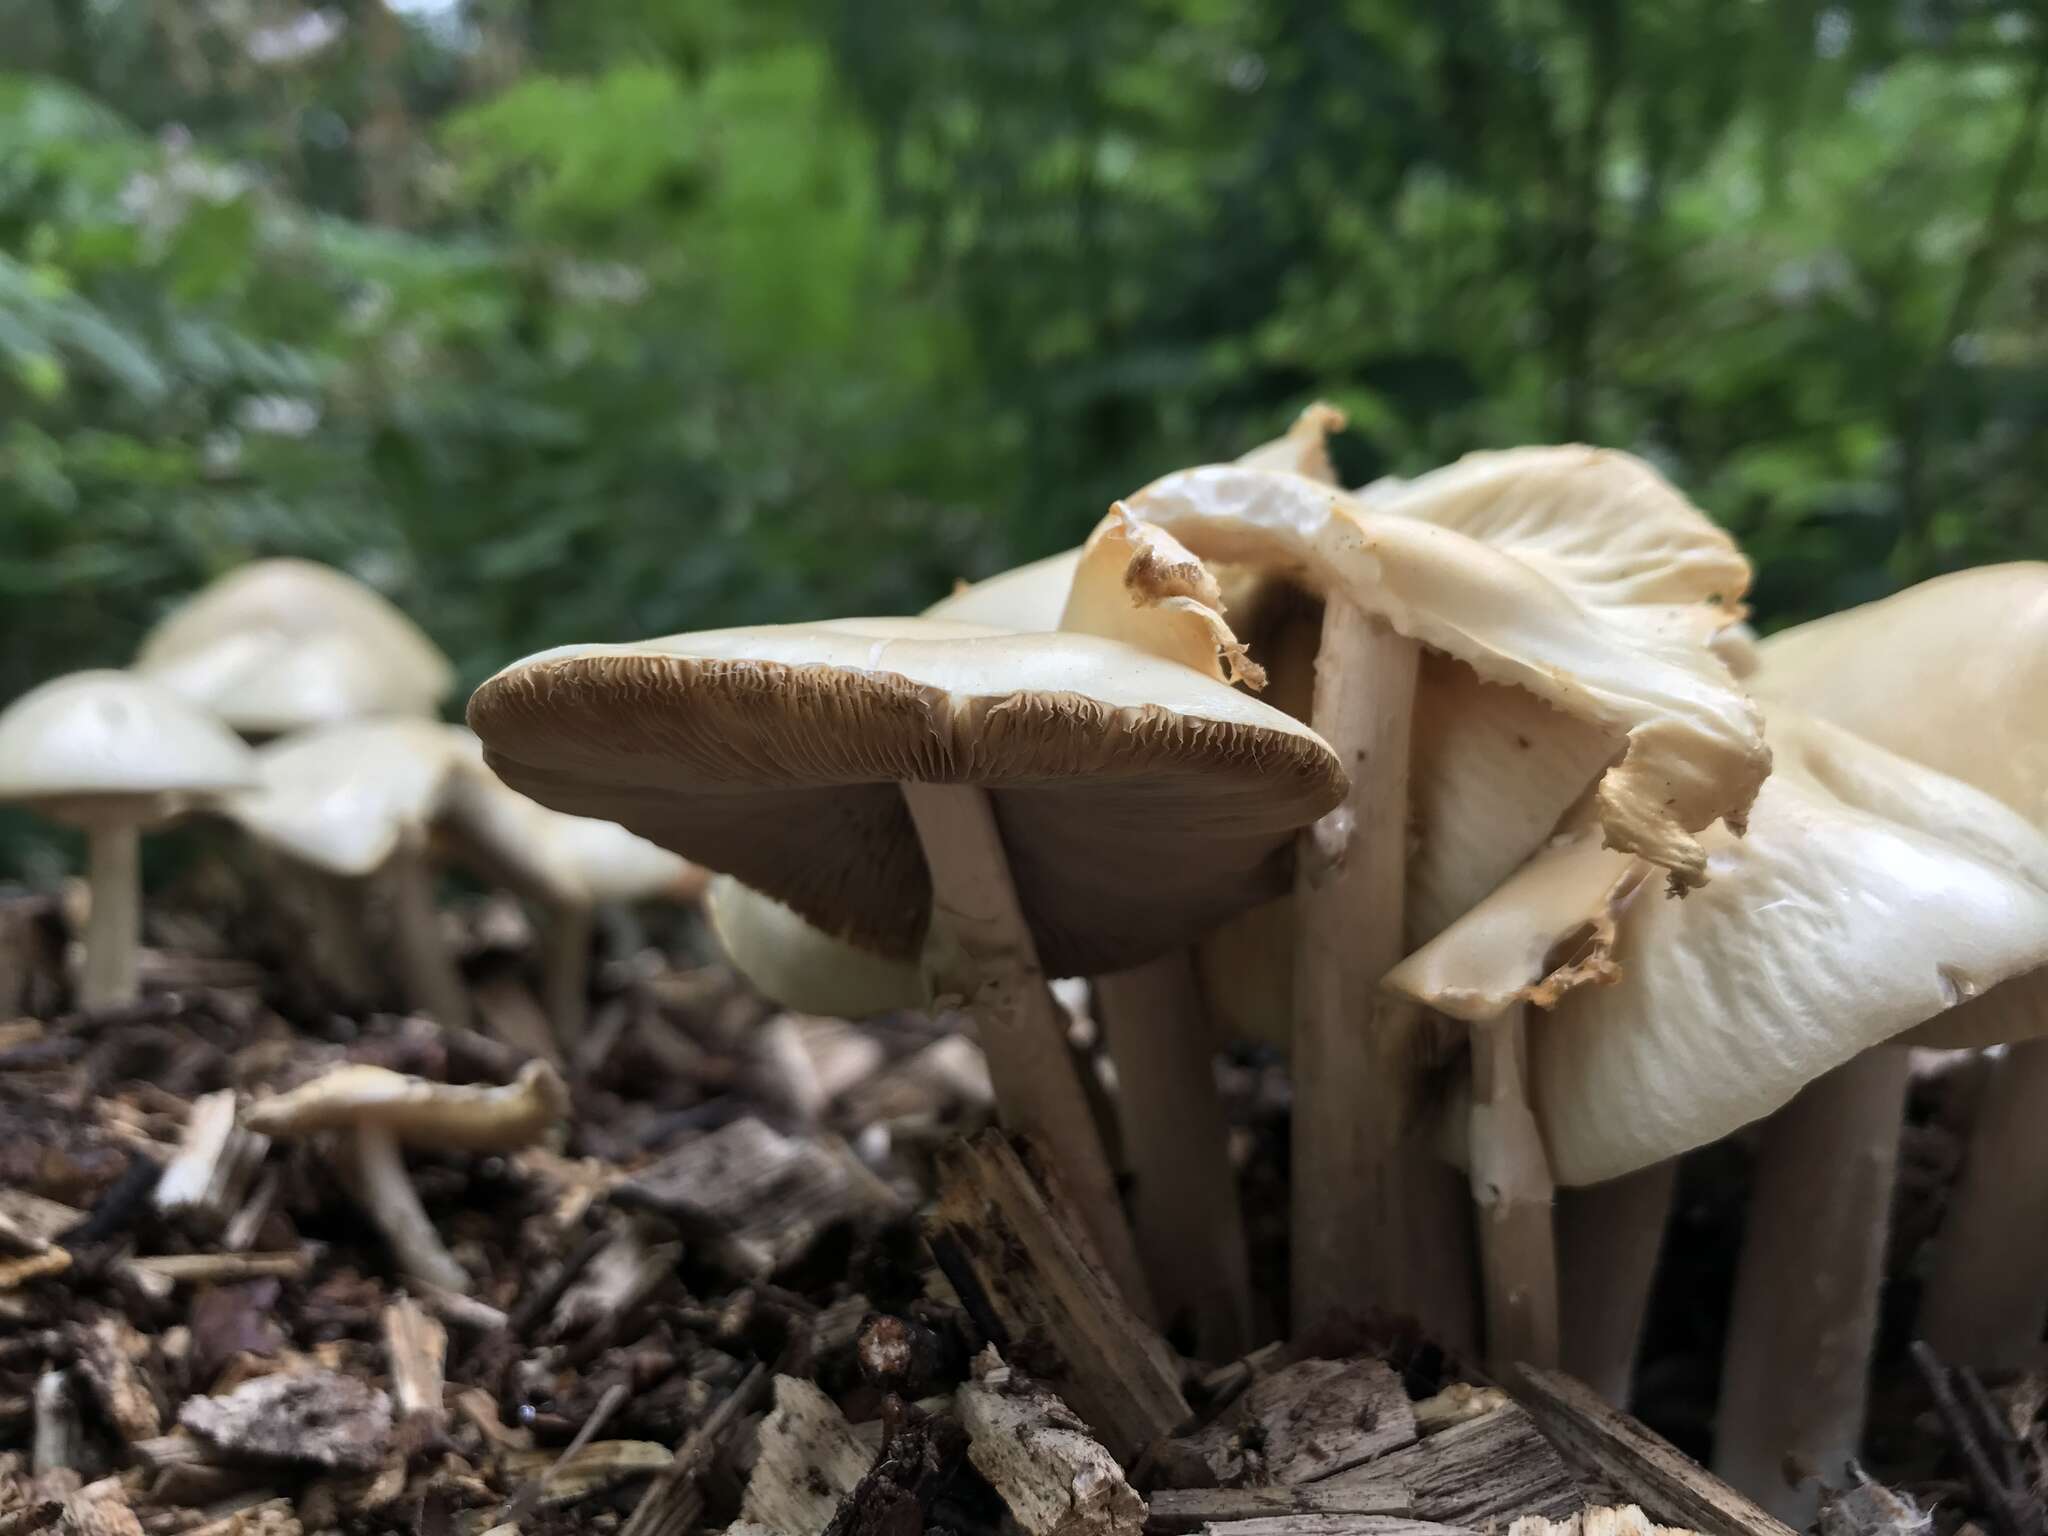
(170, 1269)
(59, 1432)
(416, 1346)
(216, 1159)
(271, 1517)
(1308, 1421)
(809, 1460)
(1599, 1520)
(757, 1199)
(675, 1504)
(1334, 1525)
(622, 1274)
(1192, 1509)
(1644, 1466)
(558, 1479)
(1021, 1252)
(1056, 1478)
(1483, 1471)
(110, 1356)
(320, 1418)
(1458, 1403)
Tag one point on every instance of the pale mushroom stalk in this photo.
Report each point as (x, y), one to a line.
(1808, 1282)
(1978, 1309)
(386, 1193)
(980, 949)
(113, 932)
(1190, 1226)
(433, 984)
(1609, 1237)
(566, 970)
(1513, 1190)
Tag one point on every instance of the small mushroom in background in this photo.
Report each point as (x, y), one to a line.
(358, 800)
(1001, 807)
(376, 1113)
(112, 753)
(571, 865)
(1952, 673)
(284, 645)
(1869, 896)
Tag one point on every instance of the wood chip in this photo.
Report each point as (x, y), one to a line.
(808, 1460)
(220, 1268)
(1191, 1509)
(205, 1182)
(1666, 1482)
(319, 1418)
(589, 1469)
(1458, 1403)
(416, 1346)
(1484, 1470)
(1306, 1422)
(1334, 1525)
(1056, 1478)
(1037, 1291)
(675, 1504)
(110, 1356)
(1600, 1520)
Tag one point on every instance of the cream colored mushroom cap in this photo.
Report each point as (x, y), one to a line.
(1027, 598)
(1139, 800)
(800, 967)
(342, 797)
(279, 645)
(1870, 895)
(419, 1112)
(89, 743)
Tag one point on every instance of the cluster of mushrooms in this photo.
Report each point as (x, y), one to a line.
(1471, 793)
(300, 706)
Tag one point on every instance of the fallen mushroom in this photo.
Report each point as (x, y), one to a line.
(283, 645)
(359, 800)
(111, 754)
(1870, 895)
(378, 1112)
(1004, 806)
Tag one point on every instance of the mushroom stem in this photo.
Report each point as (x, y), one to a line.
(1609, 1237)
(1190, 1228)
(1807, 1283)
(393, 1205)
(432, 983)
(1986, 1301)
(1513, 1190)
(567, 971)
(1377, 1219)
(981, 949)
(113, 932)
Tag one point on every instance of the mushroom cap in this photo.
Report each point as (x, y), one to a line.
(1870, 894)
(419, 1112)
(1027, 598)
(93, 745)
(342, 797)
(569, 861)
(1952, 673)
(800, 967)
(280, 645)
(1140, 801)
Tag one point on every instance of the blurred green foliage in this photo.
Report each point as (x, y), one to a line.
(562, 321)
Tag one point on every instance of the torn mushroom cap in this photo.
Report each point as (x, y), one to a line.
(1870, 894)
(342, 797)
(568, 861)
(1576, 575)
(99, 746)
(1139, 800)
(280, 645)
(418, 1112)
(800, 967)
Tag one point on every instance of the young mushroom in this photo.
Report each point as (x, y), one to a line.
(1869, 896)
(284, 645)
(1002, 807)
(377, 1112)
(1480, 645)
(111, 754)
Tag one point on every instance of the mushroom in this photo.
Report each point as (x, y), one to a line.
(999, 806)
(282, 645)
(356, 800)
(112, 753)
(1916, 673)
(1481, 645)
(1030, 598)
(1870, 895)
(378, 1112)
(572, 865)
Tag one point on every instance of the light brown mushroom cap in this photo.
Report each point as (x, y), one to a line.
(342, 797)
(1030, 597)
(1870, 894)
(1139, 800)
(795, 964)
(280, 645)
(418, 1112)
(102, 745)
(1576, 575)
